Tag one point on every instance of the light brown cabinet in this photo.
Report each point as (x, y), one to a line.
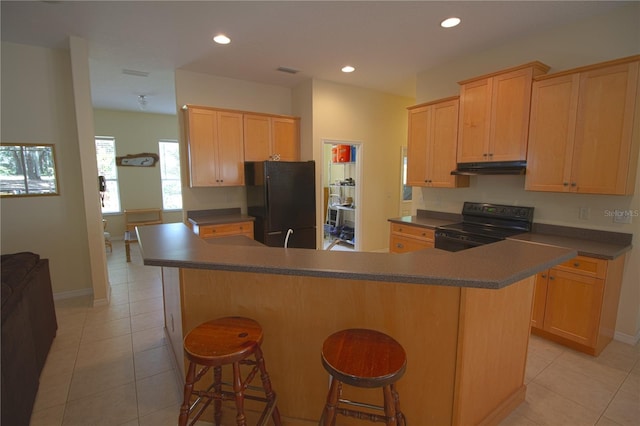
(576, 302)
(432, 144)
(224, 230)
(215, 146)
(406, 238)
(271, 138)
(584, 130)
(494, 114)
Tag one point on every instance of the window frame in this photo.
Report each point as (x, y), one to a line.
(111, 181)
(163, 179)
(23, 148)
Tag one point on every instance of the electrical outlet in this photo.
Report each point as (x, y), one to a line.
(622, 216)
(584, 213)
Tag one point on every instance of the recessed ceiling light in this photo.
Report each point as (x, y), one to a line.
(450, 22)
(348, 68)
(222, 39)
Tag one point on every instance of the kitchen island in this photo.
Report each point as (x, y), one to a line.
(463, 318)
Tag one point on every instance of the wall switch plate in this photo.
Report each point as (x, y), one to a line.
(584, 213)
(622, 216)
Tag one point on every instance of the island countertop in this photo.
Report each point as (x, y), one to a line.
(492, 266)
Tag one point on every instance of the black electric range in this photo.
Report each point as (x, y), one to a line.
(483, 223)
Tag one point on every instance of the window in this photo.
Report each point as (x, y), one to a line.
(406, 190)
(170, 174)
(27, 170)
(106, 156)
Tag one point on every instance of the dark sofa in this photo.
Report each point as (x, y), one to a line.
(28, 328)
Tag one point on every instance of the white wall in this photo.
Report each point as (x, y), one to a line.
(605, 37)
(134, 133)
(379, 121)
(38, 107)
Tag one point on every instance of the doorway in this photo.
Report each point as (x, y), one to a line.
(342, 189)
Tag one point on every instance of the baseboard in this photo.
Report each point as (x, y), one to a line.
(73, 293)
(627, 338)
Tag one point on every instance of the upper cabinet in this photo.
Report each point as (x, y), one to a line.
(215, 146)
(271, 138)
(584, 130)
(494, 114)
(431, 150)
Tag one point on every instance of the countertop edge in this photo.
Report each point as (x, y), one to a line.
(174, 245)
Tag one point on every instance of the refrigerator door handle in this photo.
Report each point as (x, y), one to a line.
(274, 233)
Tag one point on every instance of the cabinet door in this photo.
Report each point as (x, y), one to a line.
(417, 146)
(257, 137)
(475, 110)
(442, 146)
(604, 128)
(509, 125)
(573, 306)
(551, 134)
(201, 138)
(539, 299)
(285, 138)
(230, 149)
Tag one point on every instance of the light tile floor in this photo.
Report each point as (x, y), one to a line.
(110, 365)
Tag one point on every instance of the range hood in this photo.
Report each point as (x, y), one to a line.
(491, 168)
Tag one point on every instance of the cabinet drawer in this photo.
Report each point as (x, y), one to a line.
(413, 231)
(584, 265)
(226, 229)
(401, 244)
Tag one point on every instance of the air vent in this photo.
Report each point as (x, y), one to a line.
(288, 70)
(135, 73)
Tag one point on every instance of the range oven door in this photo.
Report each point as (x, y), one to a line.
(454, 241)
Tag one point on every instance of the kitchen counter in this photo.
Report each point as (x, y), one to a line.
(587, 242)
(463, 318)
(217, 217)
(492, 267)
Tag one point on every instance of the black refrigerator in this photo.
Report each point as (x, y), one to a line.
(281, 195)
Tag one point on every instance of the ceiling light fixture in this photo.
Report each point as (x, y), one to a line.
(348, 68)
(142, 102)
(450, 22)
(222, 39)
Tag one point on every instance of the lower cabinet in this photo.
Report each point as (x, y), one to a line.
(224, 230)
(406, 238)
(576, 303)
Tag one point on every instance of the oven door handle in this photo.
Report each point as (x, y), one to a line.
(459, 241)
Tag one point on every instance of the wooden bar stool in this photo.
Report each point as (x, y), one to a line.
(367, 359)
(226, 341)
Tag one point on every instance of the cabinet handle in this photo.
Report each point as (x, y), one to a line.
(491, 154)
(400, 245)
(574, 184)
(544, 276)
(551, 278)
(576, 264)
(485, 154)
(565, 183)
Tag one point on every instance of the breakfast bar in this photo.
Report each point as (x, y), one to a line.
(463, 318)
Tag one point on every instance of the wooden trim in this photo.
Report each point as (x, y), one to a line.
(450, 98)
(589, 67)
(237, 111)
(536, 65)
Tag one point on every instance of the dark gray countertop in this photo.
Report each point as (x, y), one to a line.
(217, 217)
(492, 266)
(587, 242)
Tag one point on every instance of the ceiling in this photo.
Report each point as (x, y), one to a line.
(388, 42)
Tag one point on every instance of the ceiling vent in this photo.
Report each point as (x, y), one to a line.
(135, 73)
(288, 70)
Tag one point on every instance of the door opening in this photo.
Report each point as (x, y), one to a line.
(342, 189)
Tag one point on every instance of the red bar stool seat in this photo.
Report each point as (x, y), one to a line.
(367, 359)
(230, 341)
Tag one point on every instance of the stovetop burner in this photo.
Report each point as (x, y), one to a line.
(484, 223)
